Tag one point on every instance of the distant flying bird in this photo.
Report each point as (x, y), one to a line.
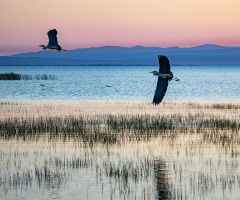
(53, 42)
(164, 76)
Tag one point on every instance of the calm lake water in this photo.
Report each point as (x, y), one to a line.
(128, 83)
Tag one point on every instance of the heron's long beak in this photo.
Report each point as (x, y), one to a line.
(151, 72)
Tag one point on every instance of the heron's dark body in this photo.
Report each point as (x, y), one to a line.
(53, 42)
(162, 84)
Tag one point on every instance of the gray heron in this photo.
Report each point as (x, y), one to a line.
(53, 42)
(164, 76)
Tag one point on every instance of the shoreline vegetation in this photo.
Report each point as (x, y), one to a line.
(14, 76)
(108, 122)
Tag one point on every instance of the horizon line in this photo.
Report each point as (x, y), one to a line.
(202, 45)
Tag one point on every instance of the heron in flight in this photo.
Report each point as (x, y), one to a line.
(53, 42)
(164, 76)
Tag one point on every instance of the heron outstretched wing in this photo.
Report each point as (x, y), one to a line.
(160, 91)
(162, 84)
(52, 35)
(164, 65)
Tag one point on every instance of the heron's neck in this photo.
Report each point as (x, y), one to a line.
(157, 73)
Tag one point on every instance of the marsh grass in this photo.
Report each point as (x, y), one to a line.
(219, 106)
(14, 76)
(38, 77)
(181, 155)
(55, 171)
(115, 129)
(10, 76)
(134, 176)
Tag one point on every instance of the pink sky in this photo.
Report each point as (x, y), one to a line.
(93, 23)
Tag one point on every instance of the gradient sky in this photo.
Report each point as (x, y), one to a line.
(93, 23)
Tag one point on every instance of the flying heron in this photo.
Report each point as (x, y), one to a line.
(53, 42)
(164, 76)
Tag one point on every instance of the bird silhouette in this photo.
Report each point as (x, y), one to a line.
(53, 42)
(164, 76)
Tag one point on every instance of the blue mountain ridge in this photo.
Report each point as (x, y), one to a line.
(208, 54)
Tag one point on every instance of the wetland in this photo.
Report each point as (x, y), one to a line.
(119, 150)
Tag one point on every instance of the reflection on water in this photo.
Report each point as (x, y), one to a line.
(188, 169)
(66, 170)
(162, 182)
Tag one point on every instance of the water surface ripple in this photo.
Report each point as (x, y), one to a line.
(128, 83)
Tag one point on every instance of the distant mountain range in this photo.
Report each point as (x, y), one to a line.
(208, 54)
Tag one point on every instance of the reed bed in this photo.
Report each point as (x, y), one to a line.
(14, 76)
(10, 76)
(114, 129)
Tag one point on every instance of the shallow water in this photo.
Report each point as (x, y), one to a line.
(182, 168)
(128, 83)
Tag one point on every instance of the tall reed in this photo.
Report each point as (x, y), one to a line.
(107, 128)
